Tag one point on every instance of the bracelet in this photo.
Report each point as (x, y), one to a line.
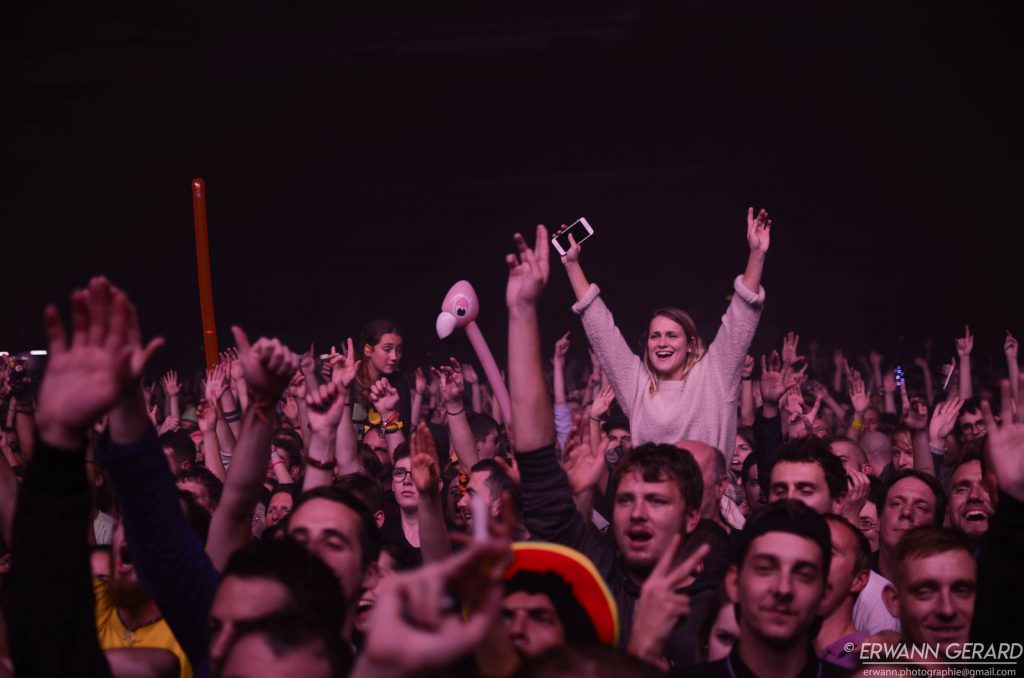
(232, 413)
(394, 427)
(857, 424)
(746, 378)
(322, 465)
(454, 414)
(935, 448)
(597, 419)
(24, 409)
(275, 463)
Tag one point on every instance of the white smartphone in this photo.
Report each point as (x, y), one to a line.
(580, 230)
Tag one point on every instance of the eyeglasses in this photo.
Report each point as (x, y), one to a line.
(400, 474)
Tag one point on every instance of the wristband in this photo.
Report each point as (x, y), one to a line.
(936, 449)
(395, 426)
(746, 378)
(857, 424)
(322, 465)
(454, 414)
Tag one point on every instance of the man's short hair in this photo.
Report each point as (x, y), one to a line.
(401, 452)
(812, 450)
(198, 517)
(181, 446)
(481, 425)
(498, 480)
(930, 481)
(366, 489)
(288, 633)
(579, 628)
(862, 557)
(289, 442)
(316, 593)
(657, 462)
(748, 463)
(928, 540)
(369, 535)
(290, 489)
(792, 517)
(204, 477)
(615, 422)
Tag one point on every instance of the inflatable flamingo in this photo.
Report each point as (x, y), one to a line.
(459, 310)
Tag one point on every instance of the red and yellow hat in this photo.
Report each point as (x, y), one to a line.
(578, 571)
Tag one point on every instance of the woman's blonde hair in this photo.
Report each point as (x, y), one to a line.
(694, 344)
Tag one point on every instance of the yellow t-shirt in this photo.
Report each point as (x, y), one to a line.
(114, 636)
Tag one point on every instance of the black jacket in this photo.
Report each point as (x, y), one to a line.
(551, 515)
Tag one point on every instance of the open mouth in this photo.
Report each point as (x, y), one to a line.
(976, 516)
(638, 537)
(664, 355)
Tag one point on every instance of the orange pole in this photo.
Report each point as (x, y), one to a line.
(203, 266)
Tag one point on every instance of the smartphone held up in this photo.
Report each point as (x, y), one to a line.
(580, 230)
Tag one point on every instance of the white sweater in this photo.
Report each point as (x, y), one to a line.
(700, 407)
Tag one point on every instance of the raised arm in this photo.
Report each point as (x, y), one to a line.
(532, 417)
(343, 371)
(1012, 367)
(728, 350)
(758, 238)
(450, 379)
(964, 346)
(207, 415)
(326, 404)
(999, 609)
(747, 411)
(617, 360)
(172, 389)
(52, 627)
(426, 475)
(929, 387)
(419, 391)
(268, 366)
(385, 399)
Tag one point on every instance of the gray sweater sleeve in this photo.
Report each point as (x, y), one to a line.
(622, 365)
(730, 345)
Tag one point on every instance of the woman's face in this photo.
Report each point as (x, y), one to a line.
(666, 347)
(724, 633)
(739, 455)
(386, 354)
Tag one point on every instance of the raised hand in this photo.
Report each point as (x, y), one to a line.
(527, 270)
(413, 630)
(421, 382)
(583, 466)
(661, 606)
(268, 366)
(943, 420)
(602, 402)
(748, 366)
(758, 231)
(344, 365)
(858, 393)
(170, 383)
(572, 255)
(451, 382)
(876, 359)
(1010, 347)
(889, 382)
(206, 414)
(561, 349)
(857, 492)
(965, 344)
(103, 363)
(469, 374)
(215, 383)
(1005, 449)
(772, 383)
(384, 397)
(325, 406)
(789, 349)
(839, 359)
(426, 473)
(915, 411)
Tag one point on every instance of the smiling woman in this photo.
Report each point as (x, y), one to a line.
(676, 389)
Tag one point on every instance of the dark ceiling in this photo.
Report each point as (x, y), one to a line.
(360, 161)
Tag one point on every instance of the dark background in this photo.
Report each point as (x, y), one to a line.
(359, 161)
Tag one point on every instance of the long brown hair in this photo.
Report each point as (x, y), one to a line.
(371, 335)
(694, 344)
